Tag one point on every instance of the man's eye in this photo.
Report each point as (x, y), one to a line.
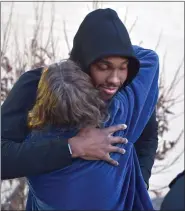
(102, 66)
(123, 69)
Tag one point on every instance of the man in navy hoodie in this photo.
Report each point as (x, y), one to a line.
(21, 159)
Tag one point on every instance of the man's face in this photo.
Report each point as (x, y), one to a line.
(109, 74)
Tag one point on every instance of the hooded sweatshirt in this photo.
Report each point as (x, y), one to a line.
(103, 34)
(97, 185)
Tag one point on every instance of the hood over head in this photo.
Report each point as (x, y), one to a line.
(102, 34)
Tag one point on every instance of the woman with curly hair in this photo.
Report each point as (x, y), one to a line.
(66, 98)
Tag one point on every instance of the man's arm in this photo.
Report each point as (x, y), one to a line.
(146, 147)
(17, 157)
(20, 159)
(26, 159)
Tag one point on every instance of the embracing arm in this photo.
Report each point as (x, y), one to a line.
(22, 159)
(19, 158)
(141, 95)
(146, 92)
(146, 147)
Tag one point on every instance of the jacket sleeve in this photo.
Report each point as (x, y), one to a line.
(146, 147)
(18, 158)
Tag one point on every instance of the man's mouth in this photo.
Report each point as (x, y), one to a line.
(109, 90)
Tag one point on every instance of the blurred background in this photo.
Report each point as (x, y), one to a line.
(35, 34)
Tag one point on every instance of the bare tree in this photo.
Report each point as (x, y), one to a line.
(35, 54)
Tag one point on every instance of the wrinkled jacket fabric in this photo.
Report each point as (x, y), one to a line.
(96, 185)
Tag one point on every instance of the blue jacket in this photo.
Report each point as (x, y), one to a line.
(19, 159)
(96, 185)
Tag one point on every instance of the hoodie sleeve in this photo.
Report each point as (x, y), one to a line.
(141, 95)
(18, 158)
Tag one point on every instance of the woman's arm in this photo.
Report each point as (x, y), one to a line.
(142, 93)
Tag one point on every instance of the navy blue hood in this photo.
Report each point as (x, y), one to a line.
(103, 34)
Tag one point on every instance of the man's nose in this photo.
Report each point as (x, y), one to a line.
(113, 78)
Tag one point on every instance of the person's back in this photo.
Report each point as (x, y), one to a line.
(66, 102)
(174, 199)
(95, 184)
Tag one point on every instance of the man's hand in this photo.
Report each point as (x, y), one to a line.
(96, 144)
